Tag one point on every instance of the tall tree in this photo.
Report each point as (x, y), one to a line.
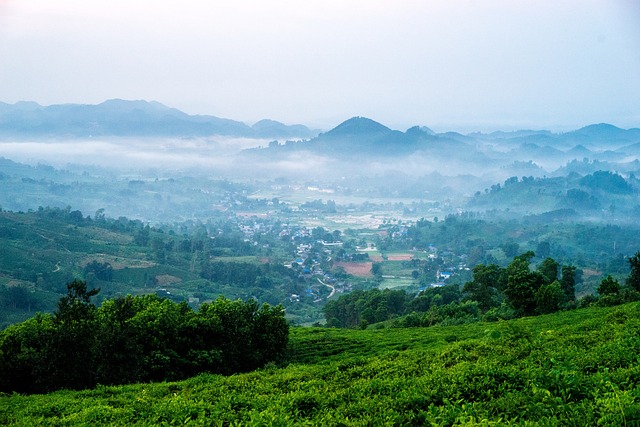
(70, 358)
(568, 282)
(76, 306)
(633, 280)
(608, 286)
(522, 284)
(549, 269)
(549, 298)
(487, 281)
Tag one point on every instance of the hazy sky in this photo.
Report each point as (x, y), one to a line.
(447, 64)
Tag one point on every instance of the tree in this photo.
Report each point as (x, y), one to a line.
(608, 286)
(119, 351)
(137, 339)
(376, 269)
(633, 280)
(549, 269)
(522, 284)
(549, 298)
(543, 249)
(76, 306)
(568, 282)
(23, 347)
(102, 271)
(18, 297)
(70, 356)
(510, 248)
(487, 280)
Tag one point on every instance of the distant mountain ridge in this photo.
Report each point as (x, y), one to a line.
(367, 138)
(139, 118)
(117, 117)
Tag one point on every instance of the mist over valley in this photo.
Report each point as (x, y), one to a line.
(332, 213)
(358, 160)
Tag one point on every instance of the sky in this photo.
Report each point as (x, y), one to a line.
(462, 65)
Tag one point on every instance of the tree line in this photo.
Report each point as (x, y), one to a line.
(494, 293)
(136, 339)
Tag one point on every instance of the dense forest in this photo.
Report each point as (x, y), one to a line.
(136, 339)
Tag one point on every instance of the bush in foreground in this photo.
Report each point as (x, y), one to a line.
(137, 339)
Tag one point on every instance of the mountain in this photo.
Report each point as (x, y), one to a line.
(358, 126)
(367, 138)
(580, 151)
(117, 117)
(269, 128)
(602, 135)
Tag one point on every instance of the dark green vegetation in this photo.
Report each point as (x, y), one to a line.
(136, 339)
(194, 262)
(493, 293)
(598, 196)
(282, 263)
(572, 368)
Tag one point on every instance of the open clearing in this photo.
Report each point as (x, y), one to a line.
(358, 269)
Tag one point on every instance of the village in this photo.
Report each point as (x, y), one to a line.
(336, 262)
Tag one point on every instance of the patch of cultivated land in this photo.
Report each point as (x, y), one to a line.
(167, 279)
(358, 269)
(399, 257)
(118, 263)
(100, 235)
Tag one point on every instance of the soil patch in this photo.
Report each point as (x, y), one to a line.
(358, 269)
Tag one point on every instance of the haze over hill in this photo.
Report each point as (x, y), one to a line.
(359, 156)
(117, 117)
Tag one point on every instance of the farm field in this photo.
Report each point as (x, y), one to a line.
(579, 367)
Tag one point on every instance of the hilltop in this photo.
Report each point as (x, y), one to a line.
(117, 117)
(369, 139)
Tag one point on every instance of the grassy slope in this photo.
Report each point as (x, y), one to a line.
(573, 368)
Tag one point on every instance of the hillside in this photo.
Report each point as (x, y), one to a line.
(117, 117)
(599, 196)
(571, 368)
(44, 250)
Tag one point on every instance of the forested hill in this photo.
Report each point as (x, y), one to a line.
(44, 250)
(598, 196)
(117, 117)
(368, 138)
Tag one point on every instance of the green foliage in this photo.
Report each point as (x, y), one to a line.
(132, 339)
(607, 181)
(568, 282)
(549, 269)
(633, 280)
(502, 312)
(524, 291)
(350, 310)
(623, 296)
(549, 298)
(457, 313)
(487, 282)
(522, 284)
(101, 270)
(608, 286)
(571, 368)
